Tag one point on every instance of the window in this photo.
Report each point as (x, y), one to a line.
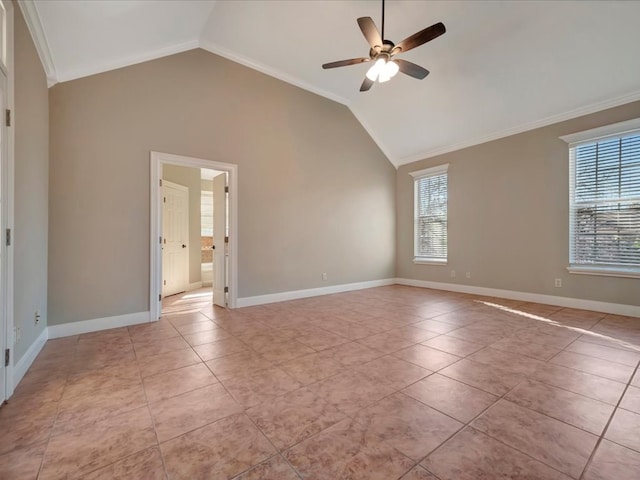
(604, 191)
(206, 213)
(430, 215)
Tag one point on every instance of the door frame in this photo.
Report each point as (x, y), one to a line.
(155, 260)
(7, 177)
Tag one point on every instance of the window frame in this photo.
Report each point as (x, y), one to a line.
(617, 130)
(417, 176)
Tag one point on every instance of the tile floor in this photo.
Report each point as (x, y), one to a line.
(386, 383)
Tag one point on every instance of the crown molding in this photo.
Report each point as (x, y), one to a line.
(127, 61)
(272, 72)
(32, 19)
(578, 112)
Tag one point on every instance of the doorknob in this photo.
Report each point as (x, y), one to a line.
(184, 246)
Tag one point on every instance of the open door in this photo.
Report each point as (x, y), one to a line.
(220, 240)
(175, 238)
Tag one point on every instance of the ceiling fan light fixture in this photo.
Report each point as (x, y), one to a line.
(391, 68)
(376, 69)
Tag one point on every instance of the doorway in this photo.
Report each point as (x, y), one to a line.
(224, 262)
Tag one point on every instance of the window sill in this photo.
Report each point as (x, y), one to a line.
(628, 272)
(429, 261)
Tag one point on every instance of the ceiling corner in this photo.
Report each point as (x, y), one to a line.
(34, 24)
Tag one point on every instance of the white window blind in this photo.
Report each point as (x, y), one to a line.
(605, 203)
(206, 213)
(430, 215)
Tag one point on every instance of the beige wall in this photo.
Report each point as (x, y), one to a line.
(190, 178)
(31, 121)
(315, 193)
(508, 216)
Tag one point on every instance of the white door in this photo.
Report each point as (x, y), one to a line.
(220, 242)
(175, 238)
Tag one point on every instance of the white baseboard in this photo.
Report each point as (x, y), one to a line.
(311, 292)
(194, 286)
(21, 367)
(596, 306)
(96, 324)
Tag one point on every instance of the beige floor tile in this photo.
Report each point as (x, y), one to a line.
(167, 361)
(606, 353)
(426, 357)
(206, 336)
(311, 368)
(221, 449)
(449, 396)
(347, 450)
(577, 410)
(592, 386)
(549, 441)
(631, 399)
(23, 463)
(453, 345)
(613, 462)
(177, 415)
(276, 468)
(472, 455)
(294, 417)
(261, 386)
(238, 364)
(408, 425)
(495, 380)
(220, 348)
(156, 347)
(175, 382)
(418, 473)
(80, 451)
(625, 429)
(146, 465)
(596, 366)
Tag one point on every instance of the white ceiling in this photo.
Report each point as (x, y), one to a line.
(502, 67)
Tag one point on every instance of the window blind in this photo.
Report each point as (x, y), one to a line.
(605, 202)
(431, 216)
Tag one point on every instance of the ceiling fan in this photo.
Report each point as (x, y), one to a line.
(383, 53)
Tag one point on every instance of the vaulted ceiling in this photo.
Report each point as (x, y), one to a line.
(502, 67)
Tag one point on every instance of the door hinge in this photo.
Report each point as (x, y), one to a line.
(226, 189)
(160, 182)
(164, 199)
(160, 239)
(7, 357)
(159, 297)
(226, 289)
(8, 117)
(226, 239)
(164, 282)
(8, 237)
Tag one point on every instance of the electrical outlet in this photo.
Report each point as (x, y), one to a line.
(468, 274)
(324, 276)
(558, 282)
(453, 273)
(36, 317)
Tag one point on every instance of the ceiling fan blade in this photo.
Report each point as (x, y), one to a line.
(366, 85)
(411, 69)
(421, 37)
(370, 31)
(344, 63)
